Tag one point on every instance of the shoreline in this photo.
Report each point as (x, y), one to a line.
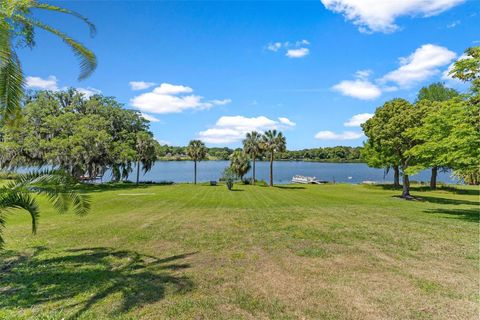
(280, 160)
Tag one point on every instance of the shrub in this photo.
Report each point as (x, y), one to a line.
(247, 180)
(229, 177)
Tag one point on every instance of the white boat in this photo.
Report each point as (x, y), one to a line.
(305, 180)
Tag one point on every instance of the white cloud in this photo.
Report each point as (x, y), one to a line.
(286, 121)
(302, 43)
(380, 16)
(42, 84)
(330, 135)
(51, 83)
(453, 24)
(167, 88)
(423, 63)
(297, 49)
(169, 98)
(363, 74)
(221, 102)
(150, 118)
(297, 53)
(274, 46)
(88, 92)
(140, 85)
(360, 89)
(420, 65)
(358, 119)
(230, 129)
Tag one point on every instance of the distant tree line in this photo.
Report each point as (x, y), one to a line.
(327, 154)
(440, 130)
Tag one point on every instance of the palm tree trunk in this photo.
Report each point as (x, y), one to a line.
(253, 169)
(406, 187)
(195, 172)
(138, 171)
(433, 178)
(271, 170)
(396, 176)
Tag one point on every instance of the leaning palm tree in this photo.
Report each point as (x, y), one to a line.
(252, 145)
(55, 185)
(272, 142)
(197, 151)
(17, 26)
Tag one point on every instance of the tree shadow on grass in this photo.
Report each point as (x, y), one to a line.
(472, 215)
(422, 188)
(440, 200)
(290, 187)
(94, 273)
(116, 186)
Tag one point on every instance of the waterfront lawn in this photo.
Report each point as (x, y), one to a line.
(289, 252)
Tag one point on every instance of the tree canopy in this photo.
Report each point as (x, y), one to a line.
(388, 141)
(436, 92)
(441, 130)
(85, 136)
(240, 164)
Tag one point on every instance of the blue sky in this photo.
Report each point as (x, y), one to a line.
(213, 70)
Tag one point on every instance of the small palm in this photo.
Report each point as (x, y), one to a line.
(56, 186)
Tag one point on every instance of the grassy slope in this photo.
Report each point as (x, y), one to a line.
(184, 251)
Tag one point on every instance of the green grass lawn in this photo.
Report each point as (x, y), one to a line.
(291, 252)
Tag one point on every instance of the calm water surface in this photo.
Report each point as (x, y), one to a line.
(182, 171)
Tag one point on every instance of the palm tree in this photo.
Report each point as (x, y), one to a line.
(239, 163)
(197, 151)
(252, 145)
(272, 142)
(55, 185)
(17, 25)
(146, 152)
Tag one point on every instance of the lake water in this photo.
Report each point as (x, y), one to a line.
(182, 171)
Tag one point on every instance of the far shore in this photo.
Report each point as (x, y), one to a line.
(292, 160)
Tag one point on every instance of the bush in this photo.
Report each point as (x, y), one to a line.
(247, 180)
(229, 177)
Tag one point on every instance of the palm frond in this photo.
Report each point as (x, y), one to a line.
(19, 200)
(87, 59)
(57, 185)
(11, 83)
(49, 7)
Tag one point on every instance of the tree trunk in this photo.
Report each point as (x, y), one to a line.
(138, 171)
(194, 172)
(406, 187)
(396, 176)
(271, 170)
(433, 178)
(253, 169)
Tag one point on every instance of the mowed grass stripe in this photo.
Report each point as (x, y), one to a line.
(186, 251)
